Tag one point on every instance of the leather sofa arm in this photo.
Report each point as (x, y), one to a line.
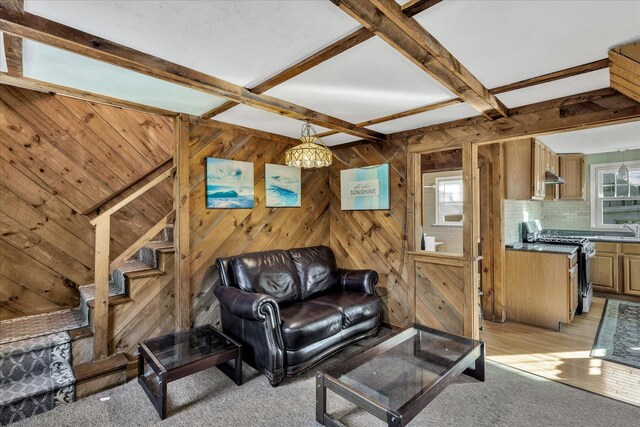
(248, 305)
(358, 280)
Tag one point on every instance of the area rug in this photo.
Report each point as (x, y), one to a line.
(618, 337)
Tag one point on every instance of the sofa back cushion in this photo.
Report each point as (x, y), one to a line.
(271, 273)
(316, 267)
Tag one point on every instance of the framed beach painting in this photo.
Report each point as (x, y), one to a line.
(229, 184)
(365, 188)
(282, 186)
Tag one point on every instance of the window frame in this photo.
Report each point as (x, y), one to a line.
(438, 180)
(596, 198)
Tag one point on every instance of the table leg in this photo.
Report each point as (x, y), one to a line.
(321, 398)
(163, 396)
(239, 367)
(477, 371)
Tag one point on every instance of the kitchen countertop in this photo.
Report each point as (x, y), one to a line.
(597, 236)
(543, 247)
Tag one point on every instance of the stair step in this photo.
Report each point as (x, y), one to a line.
(133, 265)
(37, 393)
(159, 244)
(32, 356)
(22, 328)
(145, 273)
(32, 344)
(116, 300)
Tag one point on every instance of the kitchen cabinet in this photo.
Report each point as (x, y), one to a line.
(631, 268)
(525, 163)
(541, 288)
(573, 171)
(538, 167)
(616, 268)
(604, 272)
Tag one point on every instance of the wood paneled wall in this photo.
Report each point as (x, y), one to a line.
(374, 239)
(223, 232)
(58, 157)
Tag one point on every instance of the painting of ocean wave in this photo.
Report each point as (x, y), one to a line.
(229, 184)
(283, 186)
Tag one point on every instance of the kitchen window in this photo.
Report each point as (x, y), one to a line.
(615, 201)
(449, 201)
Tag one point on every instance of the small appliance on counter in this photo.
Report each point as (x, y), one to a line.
(532, 232)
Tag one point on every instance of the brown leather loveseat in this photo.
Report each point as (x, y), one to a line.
(292, 308)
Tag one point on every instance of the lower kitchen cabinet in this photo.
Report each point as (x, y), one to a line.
(632, 274)
(616, 268)
(604, 272)
(541, 288)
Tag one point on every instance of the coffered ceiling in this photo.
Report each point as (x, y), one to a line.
(247, 42)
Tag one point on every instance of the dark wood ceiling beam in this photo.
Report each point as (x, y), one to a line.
(13, 44)
(63, 37)
(556, 75)
(596, 108)
(410, 8)
(522, 84)
(385, 19)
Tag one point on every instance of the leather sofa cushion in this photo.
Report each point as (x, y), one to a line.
(354, 307)
(304, 323)
(316, 267)
(271, 273)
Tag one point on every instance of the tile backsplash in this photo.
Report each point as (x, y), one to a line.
(566, 215)
(515, 213)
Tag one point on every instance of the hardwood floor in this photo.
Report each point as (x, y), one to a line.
(563, 356)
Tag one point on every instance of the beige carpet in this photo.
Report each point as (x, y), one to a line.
(507, 398)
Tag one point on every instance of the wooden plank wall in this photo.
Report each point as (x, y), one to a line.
(223, 232)
(374, 239)
(58, 157)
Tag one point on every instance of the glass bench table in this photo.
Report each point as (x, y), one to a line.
(396, 379)
(176, 355)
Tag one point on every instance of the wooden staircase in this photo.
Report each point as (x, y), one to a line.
(132, 299)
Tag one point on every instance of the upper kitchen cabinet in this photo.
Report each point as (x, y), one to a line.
(526, 163)
(573, 171)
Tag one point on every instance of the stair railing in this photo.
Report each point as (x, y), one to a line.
(103, 267)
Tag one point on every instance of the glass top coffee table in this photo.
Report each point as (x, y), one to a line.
(397, 378)
(176, 355)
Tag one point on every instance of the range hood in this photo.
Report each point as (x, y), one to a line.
(552, 178)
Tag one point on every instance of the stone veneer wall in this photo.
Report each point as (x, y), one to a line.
(515, 213)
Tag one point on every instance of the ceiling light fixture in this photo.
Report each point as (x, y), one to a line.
(311, 154)
(623, 172)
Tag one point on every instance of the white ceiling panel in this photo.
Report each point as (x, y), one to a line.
(263, 120)
(557, 89)
(339, 138)
(239, 41)
(58, 66)
(3, 58)
(502, 42)
(597, 140)
(441, 115)
(369, 80)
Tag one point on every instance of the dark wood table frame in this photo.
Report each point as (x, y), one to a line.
(159, 397)
(472, 363)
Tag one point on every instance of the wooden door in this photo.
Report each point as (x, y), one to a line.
(572, 170)
(632, 274)
(604, 272)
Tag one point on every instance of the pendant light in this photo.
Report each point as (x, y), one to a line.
(623, 172)
(311, 154)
